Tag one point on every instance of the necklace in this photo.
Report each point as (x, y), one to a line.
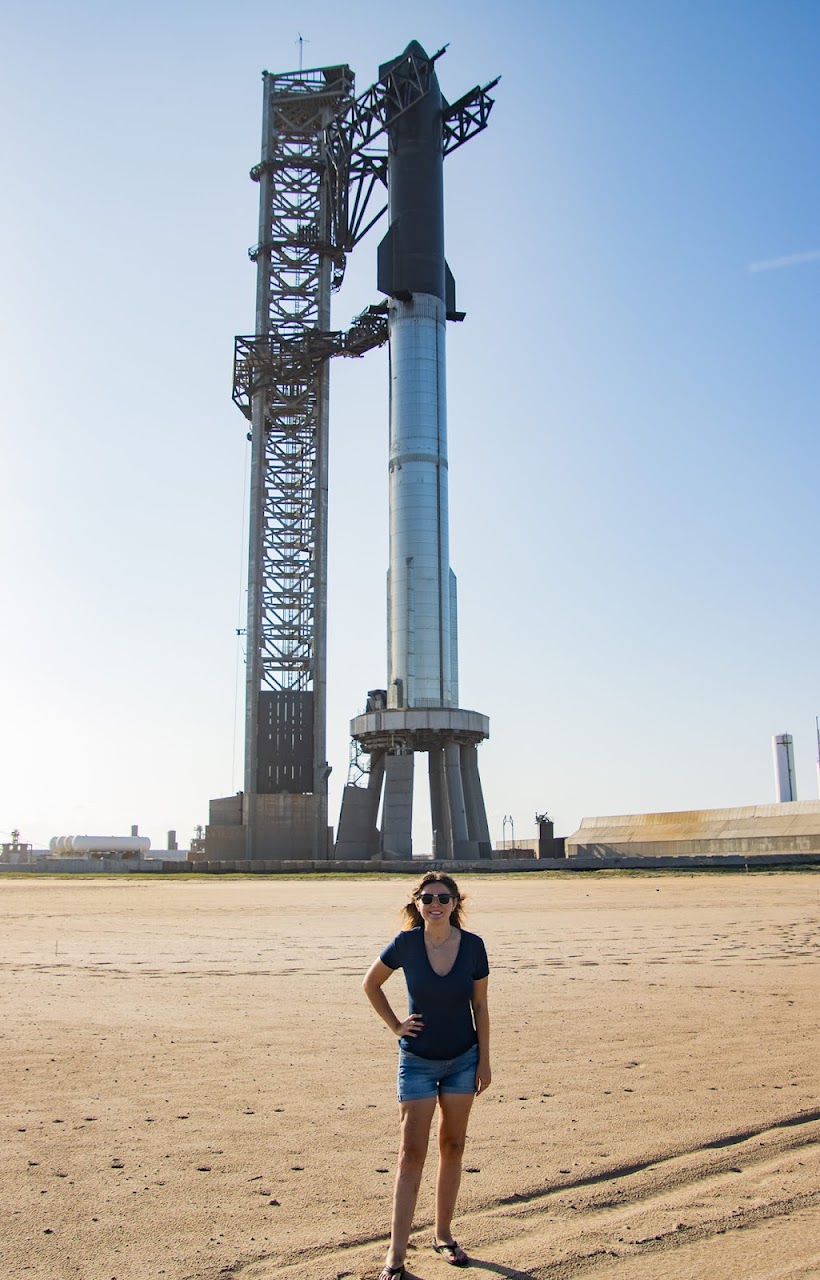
(437, 946)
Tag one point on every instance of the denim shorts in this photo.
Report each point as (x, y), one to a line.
(428, 1077)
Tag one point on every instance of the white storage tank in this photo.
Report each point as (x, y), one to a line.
(81, 845)
(110, 844)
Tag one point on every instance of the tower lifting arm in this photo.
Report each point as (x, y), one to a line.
(467, 117)
(261, 362)
(351, 167)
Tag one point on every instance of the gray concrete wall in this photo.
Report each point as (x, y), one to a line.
(226, 811)
(358, 835)
(221, 841)
(285, 827)
(96, 866)
(417, 866)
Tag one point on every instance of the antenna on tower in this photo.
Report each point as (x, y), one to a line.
(301, 41)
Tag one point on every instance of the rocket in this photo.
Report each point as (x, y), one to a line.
(422, 712)
(413, 272)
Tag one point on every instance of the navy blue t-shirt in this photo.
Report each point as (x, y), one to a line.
(443, 1002)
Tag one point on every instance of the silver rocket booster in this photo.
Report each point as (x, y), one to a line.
(421, 607)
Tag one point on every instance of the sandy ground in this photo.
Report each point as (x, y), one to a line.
(194, 1086)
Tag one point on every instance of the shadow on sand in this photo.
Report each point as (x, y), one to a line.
(498, 1269)
(482, 1264)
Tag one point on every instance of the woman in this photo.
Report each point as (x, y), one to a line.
(444, 1053)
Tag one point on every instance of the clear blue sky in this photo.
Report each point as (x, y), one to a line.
(633, 401)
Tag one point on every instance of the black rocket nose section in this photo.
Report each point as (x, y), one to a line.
(413, 50)
(411, 255)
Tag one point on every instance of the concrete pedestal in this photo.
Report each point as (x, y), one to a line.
(393, 737)
(267, 827)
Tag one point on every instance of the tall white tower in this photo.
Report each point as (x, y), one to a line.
(784, 781)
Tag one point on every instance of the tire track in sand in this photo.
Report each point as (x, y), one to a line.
(607, 1224)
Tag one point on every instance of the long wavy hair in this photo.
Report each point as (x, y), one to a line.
(411, 916)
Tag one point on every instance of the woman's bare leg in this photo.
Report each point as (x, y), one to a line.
(452, 1132)
(415, 1119)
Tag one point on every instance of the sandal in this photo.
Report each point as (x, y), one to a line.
(453, 1253)
(393, 1273)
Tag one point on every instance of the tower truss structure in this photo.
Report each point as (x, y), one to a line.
(288, 406)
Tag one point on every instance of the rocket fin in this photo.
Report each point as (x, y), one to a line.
(386, 262)
(450, 295)
(449, 289)
(389, 259)
(390, 255)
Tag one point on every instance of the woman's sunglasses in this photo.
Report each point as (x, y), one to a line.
(428, 898)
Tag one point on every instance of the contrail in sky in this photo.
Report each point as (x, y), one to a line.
(793, 260)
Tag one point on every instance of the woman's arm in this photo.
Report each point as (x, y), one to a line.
(374, 980)
(481, 1013)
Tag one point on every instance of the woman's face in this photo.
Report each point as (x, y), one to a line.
(436, 912)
